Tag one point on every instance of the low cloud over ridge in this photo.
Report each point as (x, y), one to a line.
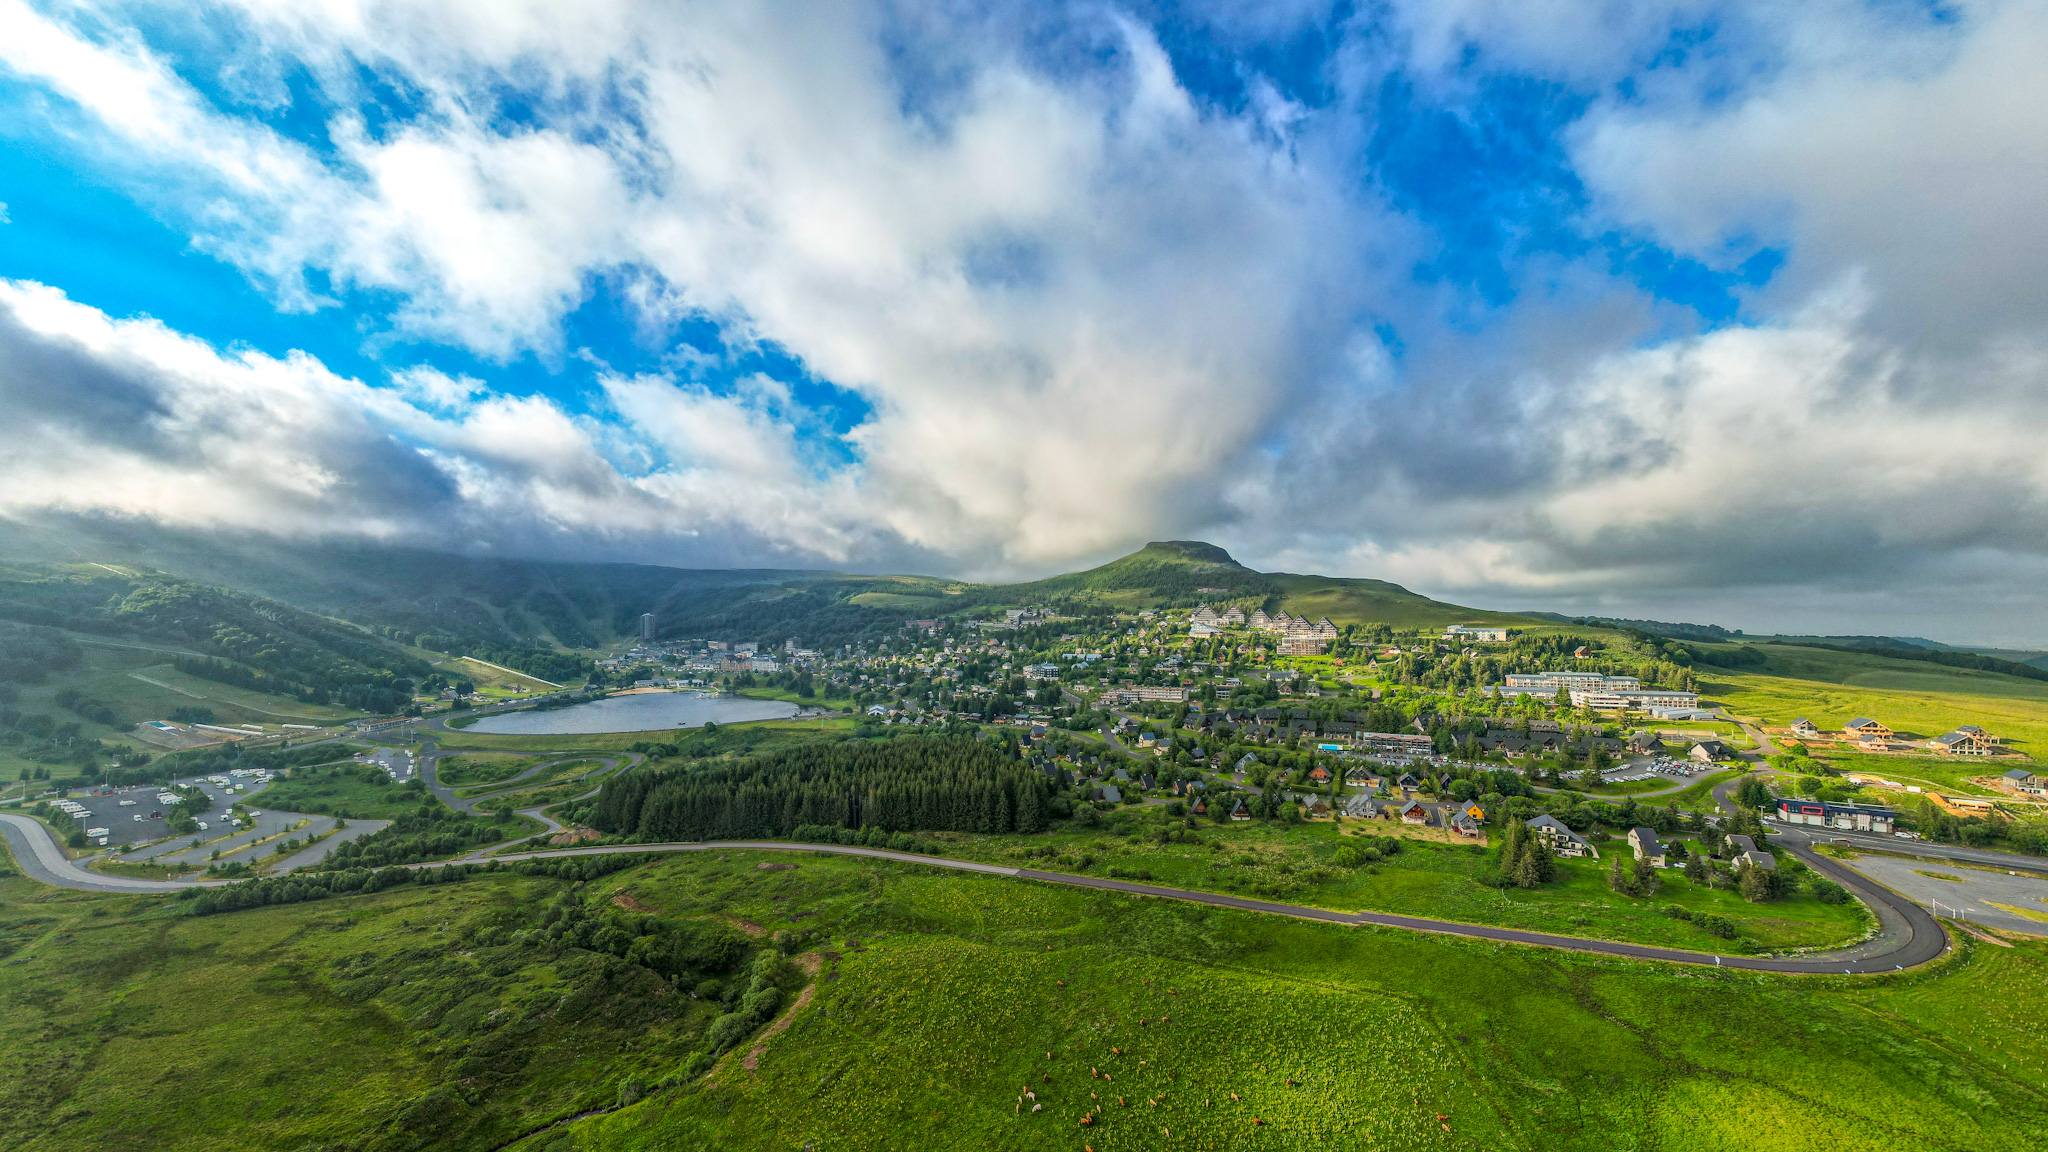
(1083, 300)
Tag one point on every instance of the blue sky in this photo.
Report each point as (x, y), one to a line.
(1642, 309)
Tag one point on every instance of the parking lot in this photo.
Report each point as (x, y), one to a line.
(137, 814)
(398, 763)
(2014, 903)
(1653, 768)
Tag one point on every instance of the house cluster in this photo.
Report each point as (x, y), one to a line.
(1875, 736)
(2021, 782)
(1466, 818)
(1515, 746)
(1298, 636)
(1280, 724)
(1968, 740)
(1604, 693)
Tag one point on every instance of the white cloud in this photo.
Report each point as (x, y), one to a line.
(130, 418)
(1919, 163)
(1081, 306)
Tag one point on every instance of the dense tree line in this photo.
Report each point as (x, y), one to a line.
(28, 655)
(302, 886)
(1970, 660)
(430, 832)
(243, 640)
(911, 783)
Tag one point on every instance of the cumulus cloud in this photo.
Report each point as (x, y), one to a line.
(1918, 163)
(1065, 299)
(130, 418)
(1080, 304)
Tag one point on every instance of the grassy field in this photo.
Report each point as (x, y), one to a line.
(760, 735)
(535, 797)
(349, 793)
(556, 771)
(1832, 688)
(1428, 878)
(1700, 794)
(482, 767)
(416, 1018)
(936, 605)
(1941, 773)
(141, 684)
(836, 704)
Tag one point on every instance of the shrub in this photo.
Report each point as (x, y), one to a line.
(1829, 892)
(1719, 926)
(1676, 912)
(729, 1030)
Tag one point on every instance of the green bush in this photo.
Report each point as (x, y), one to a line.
(1719, 926)
(1829, 892)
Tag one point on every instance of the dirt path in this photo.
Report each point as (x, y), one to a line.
(810, 962)
(747, 926)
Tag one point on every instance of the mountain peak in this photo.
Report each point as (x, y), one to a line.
(1197, 551)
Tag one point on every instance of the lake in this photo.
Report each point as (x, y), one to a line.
(640, 712)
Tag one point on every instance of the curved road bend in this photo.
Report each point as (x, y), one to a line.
(40, 857)
(1907, 933)
(1877, 955)
(429, 772)
(36, 851)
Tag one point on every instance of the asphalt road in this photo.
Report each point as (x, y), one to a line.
(39, 856)
(1877, 955)
(1911, 937)
(429, 770)
(1907, 933)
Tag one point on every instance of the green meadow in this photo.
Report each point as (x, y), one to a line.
(558, 770)
(351, 791)
(1831, 688)
(1428, 877)
(756, 735)
(483, 767)
(433, 1018)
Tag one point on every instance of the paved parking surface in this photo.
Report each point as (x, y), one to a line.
(118, 812)
(1967, 893)
(397, 763)
(233, 848)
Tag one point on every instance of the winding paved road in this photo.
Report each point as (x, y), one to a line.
(429, 769)
(1904, 942)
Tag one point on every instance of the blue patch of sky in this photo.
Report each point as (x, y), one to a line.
(1219, 69)
(1490, 177)
(78, 230)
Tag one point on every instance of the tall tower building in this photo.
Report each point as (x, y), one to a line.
(647, 626)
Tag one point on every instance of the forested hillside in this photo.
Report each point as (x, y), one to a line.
(225, 636)
(911, 783)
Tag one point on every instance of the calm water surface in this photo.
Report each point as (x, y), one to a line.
(644, 712)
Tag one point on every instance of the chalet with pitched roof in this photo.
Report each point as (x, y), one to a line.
(1744, 848)
(1561, 838)
(1647, 846)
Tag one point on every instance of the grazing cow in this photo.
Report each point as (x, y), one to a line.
(1037, 1107)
